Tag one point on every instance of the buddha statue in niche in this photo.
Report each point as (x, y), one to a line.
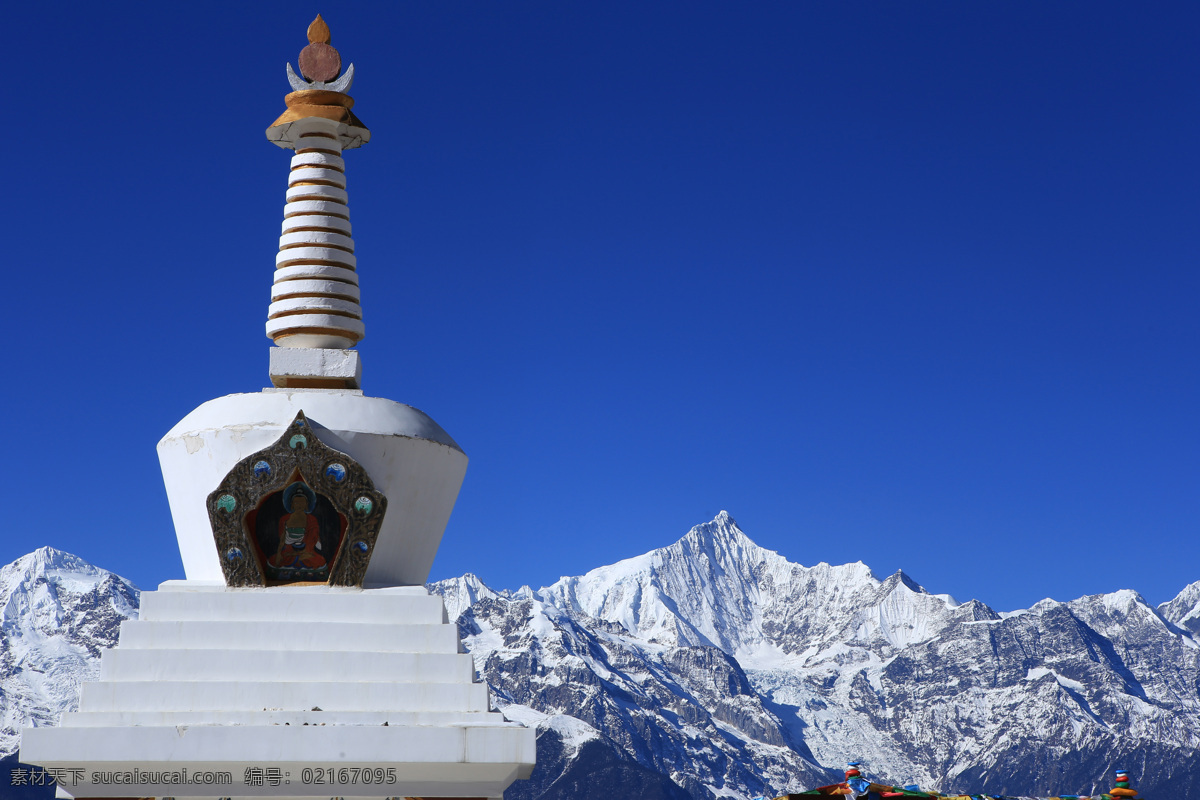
(299, 532)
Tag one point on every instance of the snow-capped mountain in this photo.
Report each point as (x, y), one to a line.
(759, 656)
(59, 612)
(715, 668)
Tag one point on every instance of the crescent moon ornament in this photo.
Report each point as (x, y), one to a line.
(298, 83)
(342, 84)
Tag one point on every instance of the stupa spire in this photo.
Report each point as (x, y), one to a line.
(315, 315)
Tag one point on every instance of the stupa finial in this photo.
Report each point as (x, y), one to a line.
(320, 92)
(320, 63)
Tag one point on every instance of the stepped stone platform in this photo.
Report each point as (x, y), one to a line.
(213, 681)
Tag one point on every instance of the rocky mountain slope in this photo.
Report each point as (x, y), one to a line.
(715, 668)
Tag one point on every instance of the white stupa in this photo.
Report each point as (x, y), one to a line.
(302, 656)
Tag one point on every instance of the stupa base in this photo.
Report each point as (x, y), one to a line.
(284, 692)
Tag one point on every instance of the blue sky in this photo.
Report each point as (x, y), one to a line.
(914, 284)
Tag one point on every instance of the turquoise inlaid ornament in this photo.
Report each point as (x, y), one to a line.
(319, 525)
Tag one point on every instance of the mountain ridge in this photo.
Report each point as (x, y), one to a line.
(713, 667)
(924, 687)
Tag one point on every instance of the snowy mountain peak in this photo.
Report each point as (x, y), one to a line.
(715, 587)
(1184, 609)
(58, 612)
(722, 541)
(33, 587)
(901, 578)
(721, 526)
(699, 591)
(460, 593)
(721, 530)
(43, 560)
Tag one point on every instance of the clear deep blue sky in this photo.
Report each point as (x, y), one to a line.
(911, 283)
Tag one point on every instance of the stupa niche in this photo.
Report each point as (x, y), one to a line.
(302, 656)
